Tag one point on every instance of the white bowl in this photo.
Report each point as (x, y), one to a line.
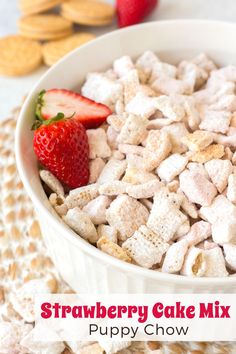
(82, 266)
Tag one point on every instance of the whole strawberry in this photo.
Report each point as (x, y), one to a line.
(61, 145)
(131, 12)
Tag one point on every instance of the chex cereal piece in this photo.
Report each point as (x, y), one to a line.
(213, 151)
(41, 347)
(52, 182)
(230, 255)
(137, 176)
(123, 65)
(81, 223)
(117, 155)
(176, 131)
(216, 121)
(145, 64)
(131, 85)
(92, 348)
(192, 116)
(142, 105)
(170, 108)
(119, 106)
(191, 73)
(197, 140)
(131, 149)
(198, 168)
(197, 188)
(146, 90)
(199, 232)
(11, 334)
(108, 232)
(231, 190)
(208, 245)
(126, 215)
(204, 62)
(215, 263)
(188, 207)
(229, 141)
(111, 248)
(112, 136)
(174, 257)
(183, 229)
(224, 231)
(99, 88)
(58, 203)
(225, 103)
(159, 123)
(173, 186)
(112, 347)
(19, 55)
(113, 188)
(98, 146)
(144, 190)
(228, 154)
(158, 147)
(135, 161)
(147, 203)
(227, 73)
(171, 86)
(171, 167)
(117, 121)
(233, 120)
(96, 209)
(112, 171)
(134, 131)
(194, 263)
(219, 171)
(79, 197)
(165, 217)
(23, 300)
(95, 168)
(220, 209)
(162, 69)
(145, 247)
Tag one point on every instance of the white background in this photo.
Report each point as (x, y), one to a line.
(12, 90)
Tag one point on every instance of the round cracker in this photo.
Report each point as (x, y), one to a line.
(55, 50)
(19, 56)
(43, 24)
(89, 9)
(27, 8)
(85, 20)
(45, 36)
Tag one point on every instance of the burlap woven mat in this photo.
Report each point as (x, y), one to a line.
(23, 255)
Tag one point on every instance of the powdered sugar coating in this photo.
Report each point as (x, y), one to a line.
(162, 190)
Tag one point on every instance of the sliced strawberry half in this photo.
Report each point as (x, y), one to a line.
(90, 113)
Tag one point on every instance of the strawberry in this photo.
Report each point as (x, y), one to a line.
(61, 145)
(90, 113)
(131, 12)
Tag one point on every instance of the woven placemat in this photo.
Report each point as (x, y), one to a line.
(23, 256)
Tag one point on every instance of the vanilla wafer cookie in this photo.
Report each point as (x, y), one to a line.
(19, 56)
(28, 7)
(44, 27)
(55, 50)
(89, 12)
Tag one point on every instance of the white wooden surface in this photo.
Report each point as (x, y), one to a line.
(12, 90)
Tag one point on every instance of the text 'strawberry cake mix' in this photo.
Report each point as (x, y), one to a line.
(142, 164)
